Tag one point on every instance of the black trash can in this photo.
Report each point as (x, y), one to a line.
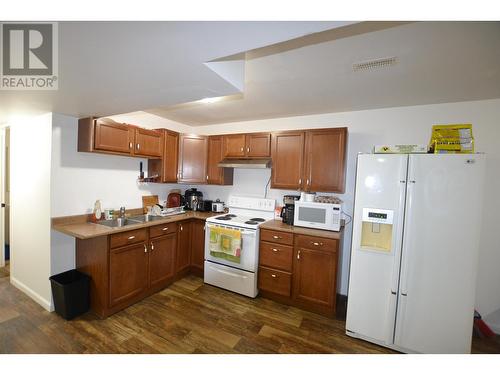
(71, 293)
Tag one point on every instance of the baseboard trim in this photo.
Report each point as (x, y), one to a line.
(341, 309)
(32, 294)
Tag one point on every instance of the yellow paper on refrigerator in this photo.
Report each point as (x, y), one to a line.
(451, 139)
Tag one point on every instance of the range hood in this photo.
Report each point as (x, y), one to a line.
(245, 163)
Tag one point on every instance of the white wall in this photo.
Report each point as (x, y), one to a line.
(79, 179)
(30, 206)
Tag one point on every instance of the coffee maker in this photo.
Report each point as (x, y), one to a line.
(288, 210)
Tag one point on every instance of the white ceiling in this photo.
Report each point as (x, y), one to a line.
(108, 68)
(437, 62)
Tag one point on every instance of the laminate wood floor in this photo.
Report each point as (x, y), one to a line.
(187, 317)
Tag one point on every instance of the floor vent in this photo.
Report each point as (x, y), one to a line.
(373, 64)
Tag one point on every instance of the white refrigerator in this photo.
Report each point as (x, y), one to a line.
(414, 251)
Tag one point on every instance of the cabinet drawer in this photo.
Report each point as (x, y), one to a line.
(276, 237)
(161, 230)
(275, 281)
(276, 256)
(127, 238)
(316, 243)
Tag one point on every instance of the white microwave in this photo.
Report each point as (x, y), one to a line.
(317, 215)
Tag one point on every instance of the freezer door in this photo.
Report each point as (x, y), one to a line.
(440, 251)
(374, 274)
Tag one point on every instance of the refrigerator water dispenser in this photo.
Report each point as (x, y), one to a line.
(376, 231)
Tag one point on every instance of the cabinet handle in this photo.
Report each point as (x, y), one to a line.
(181, 227)
(300, 181)
(131, 237)
(277, 237)
(248, 149)
(275, 250)
(317, 243)
(298, 255)
(130, 145)
(138, 146)
(207, 177)
(273, 275)
(152, 246)
(307, 182)
(241, 149)
(164, 229)
(145, 248)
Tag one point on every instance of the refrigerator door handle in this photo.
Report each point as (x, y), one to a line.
(405, 256)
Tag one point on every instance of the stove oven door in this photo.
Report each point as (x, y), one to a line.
(249, 248)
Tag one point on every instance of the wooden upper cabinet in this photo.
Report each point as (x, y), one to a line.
(166, 168)
(233, 146)
(215, 174)
(113, 137)
(325, 158)
(258, 145)
(287, 155)
(148, 143)
(193, 152)
(253, 145)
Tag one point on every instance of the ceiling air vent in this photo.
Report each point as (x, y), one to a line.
(374, 64)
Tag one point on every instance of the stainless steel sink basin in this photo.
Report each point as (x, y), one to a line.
(119, 222)
(146, 218)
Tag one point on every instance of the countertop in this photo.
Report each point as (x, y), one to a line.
(282, 227)
(80, 227)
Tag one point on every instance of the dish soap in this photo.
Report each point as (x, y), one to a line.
(97, 211)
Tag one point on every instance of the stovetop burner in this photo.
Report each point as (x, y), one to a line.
(252, 222)
(257, 219)
(223, 218)
(230, 215)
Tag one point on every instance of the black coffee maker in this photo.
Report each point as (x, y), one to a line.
(288, 210)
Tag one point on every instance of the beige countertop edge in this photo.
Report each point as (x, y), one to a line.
(88, 230)
(278, 225)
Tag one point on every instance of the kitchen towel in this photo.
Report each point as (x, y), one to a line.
(225, 244)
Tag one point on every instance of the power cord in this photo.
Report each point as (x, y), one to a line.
(265, 192)
(349, 216)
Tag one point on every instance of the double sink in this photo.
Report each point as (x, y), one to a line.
(124, 221)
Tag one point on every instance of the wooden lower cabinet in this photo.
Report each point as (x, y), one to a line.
(128, 266)
(303, 275)
(184, 247)
(128, 271)
(162, 260)
(198, 247)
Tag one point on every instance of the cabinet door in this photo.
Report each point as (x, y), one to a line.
(128, 272)
(258, 145)
(170, 156)
(325, 160)
(183, 258)
(114, 137)
(162, 259)
(287, 158)
(216, 175)
(193, 159)
(314, 275)
(233, 146)
(148, 143)
(198, 245)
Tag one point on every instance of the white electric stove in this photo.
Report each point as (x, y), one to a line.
(245, 214)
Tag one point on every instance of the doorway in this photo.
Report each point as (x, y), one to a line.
(5, 251)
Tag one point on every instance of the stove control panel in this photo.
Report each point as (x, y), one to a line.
(250, 203)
